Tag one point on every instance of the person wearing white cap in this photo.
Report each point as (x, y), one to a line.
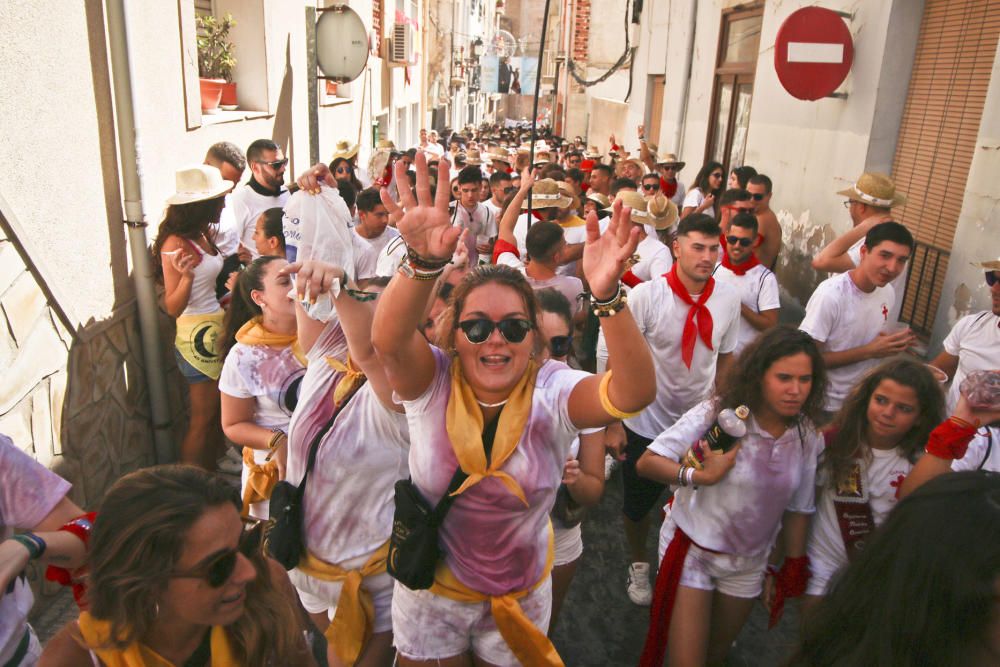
(191, 262)
(869, 202)
(974, 342)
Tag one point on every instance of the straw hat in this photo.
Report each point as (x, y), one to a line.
(546, 194)
(989, 265)
(501, 154)
(670, 160)
(567, 191)
(542, 157)
(875, 189)
(197, 183)
(385, 145)
(636, 161)
(592, 153)
(601, 200)
(662, 212)
(344, 150)
(472, 156)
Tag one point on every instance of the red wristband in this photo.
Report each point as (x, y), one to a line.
(950, 440)
(501, 246)
(794, 576)
(80, 526)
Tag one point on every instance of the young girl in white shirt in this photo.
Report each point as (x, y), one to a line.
(871, 447)
(724, 519)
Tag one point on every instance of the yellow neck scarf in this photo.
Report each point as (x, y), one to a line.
(254, 333)
(260, 480)
(528, 643)
(465, 429)
(353, 378)
(572, 221)
(96, 634)
(354, 622)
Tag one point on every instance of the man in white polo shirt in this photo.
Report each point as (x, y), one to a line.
(265, 189)
(974, 342)
(756, 284)
(691, 323)
(848, 313)
(469, 213)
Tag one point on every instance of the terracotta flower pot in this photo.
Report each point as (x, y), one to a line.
(228, 94)
(211, 93)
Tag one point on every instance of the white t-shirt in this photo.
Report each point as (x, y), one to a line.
(660, 315)
(367, 251)
(898, 285)
(758, 289)
(481, 223)
(492, 542)
(432, 149)
(227, 237)
(28, 493)
(495, 210)
(247, 204)
(680, 196)
(843, 317)
(694, 198)
(654, 259)
(975, 340)
(742, 513)
(348, 505)
(573, 233)
(983, 452)
(272, 376)
(884, 475)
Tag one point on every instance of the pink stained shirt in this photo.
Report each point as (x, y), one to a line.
(492, 542)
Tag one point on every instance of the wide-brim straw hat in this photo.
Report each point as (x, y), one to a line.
(501, 155)
(670, 160)
(602, 200)
(567, 190)
(546, 194)
(636, 161)
(385, 145)
(592, 153)
(473, 157)
(344, 150)
(989, 265)
(198, 182)
(875, 189)
(663, 213)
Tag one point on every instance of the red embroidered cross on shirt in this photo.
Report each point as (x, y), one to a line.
(897, 484)
(885, 313)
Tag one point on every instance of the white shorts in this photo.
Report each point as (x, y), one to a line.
(568, 544)
(427, 626)
(738, 576)
(320, 596)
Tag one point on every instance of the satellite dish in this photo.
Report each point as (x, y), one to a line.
(504, 44)
(341, 44)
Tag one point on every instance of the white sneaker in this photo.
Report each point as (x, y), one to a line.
(639, 590)
(610, 463)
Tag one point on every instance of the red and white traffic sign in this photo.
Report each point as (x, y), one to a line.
(813, 53)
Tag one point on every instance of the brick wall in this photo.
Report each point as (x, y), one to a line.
(581, 31)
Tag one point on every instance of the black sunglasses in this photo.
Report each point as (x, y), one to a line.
(218, 571)
(757, 196)
(991, 278)
(559, 346)
(733, 240)
(650, 186)
(507, 190)
(477, 331)
(276, 164)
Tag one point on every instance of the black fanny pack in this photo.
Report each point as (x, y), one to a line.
(284, 540)
(414, 549)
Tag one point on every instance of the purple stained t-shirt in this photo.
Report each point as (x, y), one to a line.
(492, 542)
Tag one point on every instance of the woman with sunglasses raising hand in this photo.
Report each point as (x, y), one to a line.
(490, 600)
(176, 578)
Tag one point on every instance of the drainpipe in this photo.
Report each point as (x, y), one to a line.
(135, 222)
(686, 84)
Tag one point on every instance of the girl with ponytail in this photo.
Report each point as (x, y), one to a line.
(261, 376)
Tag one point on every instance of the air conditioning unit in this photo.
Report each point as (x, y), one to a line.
(401, 46)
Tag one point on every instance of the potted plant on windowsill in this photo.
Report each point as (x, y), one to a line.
(216, 62)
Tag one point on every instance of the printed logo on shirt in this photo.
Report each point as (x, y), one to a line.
(885, 313)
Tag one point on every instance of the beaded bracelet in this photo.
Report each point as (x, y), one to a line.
(408, 270)
(419, 262)
(612, 306)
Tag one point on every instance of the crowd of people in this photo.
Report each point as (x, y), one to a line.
(425, 368)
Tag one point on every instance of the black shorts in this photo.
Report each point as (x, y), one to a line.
(640, 494)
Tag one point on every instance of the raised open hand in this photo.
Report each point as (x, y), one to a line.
(605, 255)
(425, 223)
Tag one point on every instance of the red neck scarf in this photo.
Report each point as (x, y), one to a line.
(669, 188)
(699, 312)
(740, 269)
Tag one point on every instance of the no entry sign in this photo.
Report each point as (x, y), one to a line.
(813, 53)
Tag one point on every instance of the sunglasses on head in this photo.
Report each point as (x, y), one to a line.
(991, 278)
(559, 346)
(757, 196)
(276, 164)
(477, 331)
(733, 240)
(651, 186)
(221, 568)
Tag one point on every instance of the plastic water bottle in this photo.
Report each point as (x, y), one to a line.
(727, 428)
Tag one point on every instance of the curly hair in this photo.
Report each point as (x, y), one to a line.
(140, 534)
(489, 274)
(742, 384)
(849, 429)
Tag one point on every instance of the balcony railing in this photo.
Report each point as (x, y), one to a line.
(924, 280)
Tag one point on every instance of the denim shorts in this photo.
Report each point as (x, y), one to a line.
(190, 373)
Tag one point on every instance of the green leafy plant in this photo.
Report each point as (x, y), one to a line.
(215, 51)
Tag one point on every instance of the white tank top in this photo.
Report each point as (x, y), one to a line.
(202, 299)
